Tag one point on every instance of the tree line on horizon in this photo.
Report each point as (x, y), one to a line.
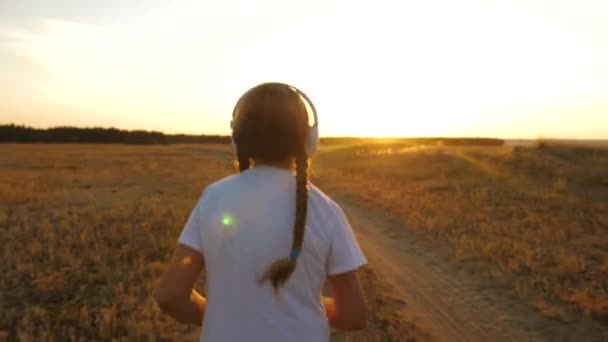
(23, 134)
(12, 133)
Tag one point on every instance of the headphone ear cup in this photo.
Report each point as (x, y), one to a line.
(233, 146)
(232, 143)
(312, 140)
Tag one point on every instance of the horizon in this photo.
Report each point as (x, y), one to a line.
(539, 138)
(516, 70)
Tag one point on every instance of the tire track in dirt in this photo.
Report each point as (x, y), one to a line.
(446, 308)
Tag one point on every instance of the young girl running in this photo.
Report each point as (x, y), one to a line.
(268, 240)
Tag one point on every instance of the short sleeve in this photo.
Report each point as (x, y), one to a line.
(190, 235)
(344, 253)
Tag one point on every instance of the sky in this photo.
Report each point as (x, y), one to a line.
(511, 69)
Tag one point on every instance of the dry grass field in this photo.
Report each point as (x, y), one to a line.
(532, 219)
(85, 233)
(87, 229)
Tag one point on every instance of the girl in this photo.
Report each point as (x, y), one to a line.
(267, 253)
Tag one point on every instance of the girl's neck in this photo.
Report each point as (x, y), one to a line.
(288, 164)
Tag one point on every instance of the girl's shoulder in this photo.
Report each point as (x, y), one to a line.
(213, 189)
(222, 183)
(321, 199)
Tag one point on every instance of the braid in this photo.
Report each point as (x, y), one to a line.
(301, 202)
(281, 270)
(243, 159)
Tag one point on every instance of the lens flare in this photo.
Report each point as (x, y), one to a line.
(227, 220)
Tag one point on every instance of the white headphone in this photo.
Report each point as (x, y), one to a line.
(312, 138)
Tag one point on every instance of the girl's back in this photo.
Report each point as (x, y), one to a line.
(242, 224)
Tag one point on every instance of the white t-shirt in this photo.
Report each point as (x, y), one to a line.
(242, 224)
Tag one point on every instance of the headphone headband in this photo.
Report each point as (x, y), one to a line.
(290, 87)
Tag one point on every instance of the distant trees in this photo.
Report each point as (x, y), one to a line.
(23, 134)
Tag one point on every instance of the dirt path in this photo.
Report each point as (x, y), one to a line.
(446, 307)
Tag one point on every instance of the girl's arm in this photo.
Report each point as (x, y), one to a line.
(346, 309)
(176, 295)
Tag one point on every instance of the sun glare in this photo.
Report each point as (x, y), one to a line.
(372, 68)
(402, 74)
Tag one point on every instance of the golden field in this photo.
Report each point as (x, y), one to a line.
(532, 219)
(87, 229)
(86, 232)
